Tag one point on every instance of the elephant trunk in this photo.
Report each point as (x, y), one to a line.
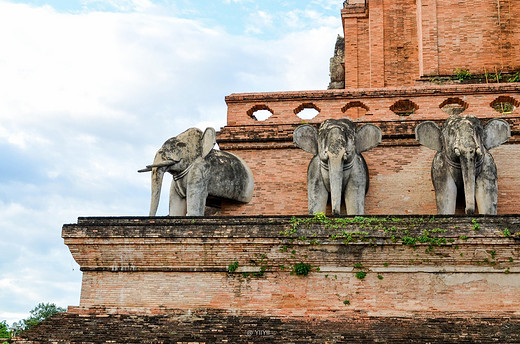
(159, 166)
(157, 178)
(336, 182)
(468, 177)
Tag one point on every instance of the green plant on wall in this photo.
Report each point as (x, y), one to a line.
(301, 269)
(514, 78)
(462, 74)
(233, 267)
(504, 107)
(361, 275)
(413, 232)
(476, 225)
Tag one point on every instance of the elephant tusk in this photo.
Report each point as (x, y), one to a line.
(162, 164)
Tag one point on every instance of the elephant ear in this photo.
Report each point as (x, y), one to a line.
(306, 138)
(367, 137)
(429, 135)
(209, 138)
(496, 132)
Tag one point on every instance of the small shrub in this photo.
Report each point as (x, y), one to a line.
(4, 330)
(462, 74)
(232, 267)
(361, 275)
(506, 233)
(301, 269)
(346, 302)
(476, 225)
(380, 277)
(515, 77)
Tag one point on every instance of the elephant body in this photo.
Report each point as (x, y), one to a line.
(337, 168)
(463, 164)
(198, 171)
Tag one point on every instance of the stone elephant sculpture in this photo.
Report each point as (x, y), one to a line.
(463, 162)
(337, 168)
(198, 171)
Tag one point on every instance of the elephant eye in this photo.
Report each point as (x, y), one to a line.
(324, 157)
(457, 152)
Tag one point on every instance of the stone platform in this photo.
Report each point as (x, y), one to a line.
(215, 327)
(412, 264)
(339, 278)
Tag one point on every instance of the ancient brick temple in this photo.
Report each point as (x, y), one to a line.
(267, 272)
(402, 62)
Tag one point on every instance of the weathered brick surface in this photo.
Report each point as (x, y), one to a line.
(378, 100)
(204, 326)
(400, 179)
(154, 265)
(394, 42)
(399, 168)
(164, 280)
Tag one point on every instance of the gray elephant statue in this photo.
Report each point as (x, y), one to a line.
(463, 162)
(337, 167)
(198, 171)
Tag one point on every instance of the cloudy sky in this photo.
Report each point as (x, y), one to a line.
(90, 89)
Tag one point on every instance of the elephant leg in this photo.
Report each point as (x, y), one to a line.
(316, 191)
(196, 202)
(486, 189)
(197, 191)
(446, 195)
(177, 202)
(355, 200)
(355, 192)
(486, 194)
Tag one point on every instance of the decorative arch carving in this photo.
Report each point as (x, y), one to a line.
(259, 107)
(505, 104)
(404, 107)
(453, 106)
(304, 106)
(354, 104)
(355, 109)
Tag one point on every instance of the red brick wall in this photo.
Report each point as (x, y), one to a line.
(331, 102)
(400, 181)
(152, 265)
(394, 42)
(399, 168)
(401, 61)
(478, 35)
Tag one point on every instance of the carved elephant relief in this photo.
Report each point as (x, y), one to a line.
(337, 168)
(463, 163)
(198, 171)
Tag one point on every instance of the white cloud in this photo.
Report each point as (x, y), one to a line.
(258, 22)
(88, 97)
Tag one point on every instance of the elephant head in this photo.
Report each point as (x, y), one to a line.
(198, 171)
(463, 161)
(337, 167)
